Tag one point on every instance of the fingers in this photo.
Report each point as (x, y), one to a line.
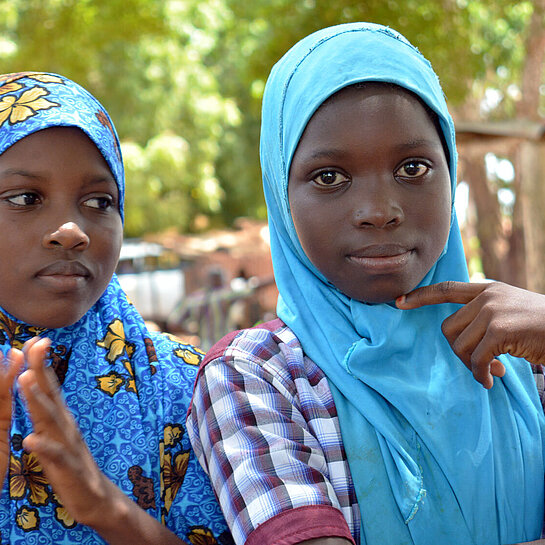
(444, 292)
(12, 363)
(42, 394)
(36, 352)
(48, 451)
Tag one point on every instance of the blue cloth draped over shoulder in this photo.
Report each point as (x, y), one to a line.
(435, 458)
(128, 388)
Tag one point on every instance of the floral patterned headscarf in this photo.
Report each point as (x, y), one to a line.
(127, 387)
(32, 101)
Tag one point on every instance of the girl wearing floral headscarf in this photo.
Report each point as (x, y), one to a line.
(93, 447)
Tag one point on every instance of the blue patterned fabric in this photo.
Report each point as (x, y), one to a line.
(129, 389)
(434, 457)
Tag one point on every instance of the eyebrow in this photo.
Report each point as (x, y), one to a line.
(99, 178)
(404, 146)
(18, 172)
(328, 153)
(413, 144)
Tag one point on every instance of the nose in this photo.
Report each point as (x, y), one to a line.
(68, 236)
(378, 206)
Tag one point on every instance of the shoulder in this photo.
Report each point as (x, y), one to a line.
(261, 341)
(164, 349)
(173, 363)
(271, 348)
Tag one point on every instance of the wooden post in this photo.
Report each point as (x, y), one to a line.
(532, 162)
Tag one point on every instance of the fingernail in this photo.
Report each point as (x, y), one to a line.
(401, 300)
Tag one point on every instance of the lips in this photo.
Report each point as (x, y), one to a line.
(64, 276)
(380, 250)
(65, 268)
(381, 258)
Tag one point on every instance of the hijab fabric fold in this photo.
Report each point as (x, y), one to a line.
(434, 457)
(128, 388)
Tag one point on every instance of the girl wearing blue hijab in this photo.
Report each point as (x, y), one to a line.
(125, 472)
(351, 418)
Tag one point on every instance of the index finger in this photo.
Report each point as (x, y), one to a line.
(444, 292)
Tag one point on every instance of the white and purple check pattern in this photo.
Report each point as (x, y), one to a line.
(264, 426)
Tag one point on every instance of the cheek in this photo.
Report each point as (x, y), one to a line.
(438, 220)
(108, 246)
(311, 229)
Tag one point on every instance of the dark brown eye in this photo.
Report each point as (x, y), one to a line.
(24, 199)
(100, 203)
(412, 169)
(329, 178)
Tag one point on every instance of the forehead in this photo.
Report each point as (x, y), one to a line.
(61, 152)
(39, 145)
(359, 108)
(357, 93)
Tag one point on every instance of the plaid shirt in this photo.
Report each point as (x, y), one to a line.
(264, 426)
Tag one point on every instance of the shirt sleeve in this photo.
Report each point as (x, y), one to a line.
(267, 467)
(540, 382)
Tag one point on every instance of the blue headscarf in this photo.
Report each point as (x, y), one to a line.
(128, 388)
(434, 457)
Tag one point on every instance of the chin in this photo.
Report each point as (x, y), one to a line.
(383, 296)
(53, 321)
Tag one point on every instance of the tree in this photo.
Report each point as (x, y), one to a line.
(143, 60)
(511, 40)
(183, 80)
(258, 33)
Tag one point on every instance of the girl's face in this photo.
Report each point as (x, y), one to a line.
(369, 191)
(60, 224)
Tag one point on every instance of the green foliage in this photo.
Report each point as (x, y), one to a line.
(183, 79)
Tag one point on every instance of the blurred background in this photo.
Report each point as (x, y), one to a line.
(183, 82)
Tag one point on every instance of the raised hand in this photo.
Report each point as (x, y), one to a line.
(496, 319)
(9, 369)
(56, 440)
(86, 493)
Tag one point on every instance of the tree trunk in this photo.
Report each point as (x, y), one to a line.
(515, 260)
(488, 221)
(531, 160)
(532, 198)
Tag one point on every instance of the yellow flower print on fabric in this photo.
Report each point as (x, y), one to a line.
(114, 342)
(44, 78)
(27, 518)
(14, 333)
(10, 88)
(131, 383)
(26, 475)
(111, 383)
(173, 434)
(188, 356)
(172, 476)
(37, 76)
(201, 536)
(62, 515)
(17, 109)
